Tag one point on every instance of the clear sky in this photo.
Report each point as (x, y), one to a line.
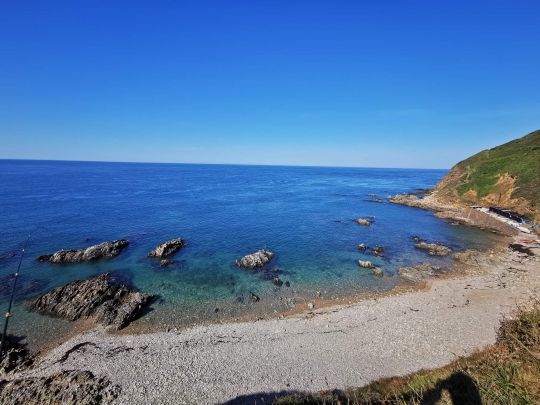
(385, 83)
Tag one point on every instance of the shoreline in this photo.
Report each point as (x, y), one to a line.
(330, 347)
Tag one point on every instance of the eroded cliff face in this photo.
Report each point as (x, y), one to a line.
(503, 194)
(507, 176)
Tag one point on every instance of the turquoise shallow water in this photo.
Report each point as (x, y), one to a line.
(303, 214)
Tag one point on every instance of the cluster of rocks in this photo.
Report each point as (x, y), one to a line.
(419, 272)
(103, 250)
(66, 387)
(255, 260)
(109, 303)
(378, 250)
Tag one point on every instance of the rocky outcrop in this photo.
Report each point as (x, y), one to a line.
(377, 250)
(105, 250)
(108, 303)
(255, 260)
(66, 388)
(419, 272)
(433, 249)
(168, 248)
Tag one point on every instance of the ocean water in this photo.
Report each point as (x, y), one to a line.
(303, 214)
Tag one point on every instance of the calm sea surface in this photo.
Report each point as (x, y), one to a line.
(303, 214)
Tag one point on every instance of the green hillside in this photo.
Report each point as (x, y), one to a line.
(507, 175)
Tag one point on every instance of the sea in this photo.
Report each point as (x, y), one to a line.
(302, 214)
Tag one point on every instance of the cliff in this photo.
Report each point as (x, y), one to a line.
(506, 176)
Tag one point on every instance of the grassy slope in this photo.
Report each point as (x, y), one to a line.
(506, 373)
(520, 158)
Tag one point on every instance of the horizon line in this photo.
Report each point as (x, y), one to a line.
(218, 164)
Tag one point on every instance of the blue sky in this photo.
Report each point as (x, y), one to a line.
(343, 83)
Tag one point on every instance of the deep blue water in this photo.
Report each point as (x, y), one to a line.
(304, 214)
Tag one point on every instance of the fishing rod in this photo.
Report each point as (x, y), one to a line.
(14, 286)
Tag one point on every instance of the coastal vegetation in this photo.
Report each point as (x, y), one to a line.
(507, 176)
(505, 373)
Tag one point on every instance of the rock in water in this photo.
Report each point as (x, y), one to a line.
(108, 303)
(254, 297)
(66, 387)
(362, 247)
(433, 249)
(377, 250)
(167, 248)
(255, 260)
(366, 264)
(104, 250)
(364, 221)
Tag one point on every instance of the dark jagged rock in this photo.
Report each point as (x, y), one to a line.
(377, 250)
(362, 247)
(419, 272)
(417, 239)
(15, 357)
(168, 248)
(277, 281)
(255, 260)
(518, 247)
(433, 249)
(105, 250)
(108, 303)
(287, 283)
(254, 297)
(66, 387)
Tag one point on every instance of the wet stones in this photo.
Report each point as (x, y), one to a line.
(110, 304)
(167, 249)
(255, 260)
(105, 250)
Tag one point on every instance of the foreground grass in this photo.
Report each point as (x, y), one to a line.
(506, 373)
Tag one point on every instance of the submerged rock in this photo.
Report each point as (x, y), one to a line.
(277, 281)
(108, 303)
(66, 387)
(254, 297)
(103, 250)
(419, 272)
(433, 249)
(167, 248)
(165, 262)
(255, 260)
